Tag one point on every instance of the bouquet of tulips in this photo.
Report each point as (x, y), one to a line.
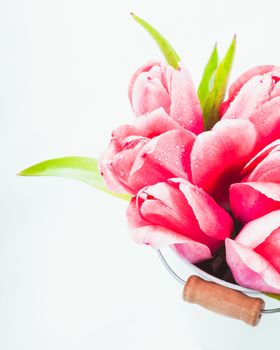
(201, 174)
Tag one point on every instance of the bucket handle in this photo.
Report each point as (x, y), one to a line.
(220, 299)
(223, 300)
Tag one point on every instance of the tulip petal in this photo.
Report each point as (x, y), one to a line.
(219, 154)
(267, 121)
(192, 251)
(107, 171)
(149, 125)
(182, 207)
(273, 146)
(213, 220)
(257, 100)
(169, 194)
(166, 156)
(185, 107)
(159, 214)
(112, 182)
(270, 249)
(143, 69)
(251, 200)
(149, 94)
(245, 103)
(256, 231)
(179, 219)
(243, 79)
(250, 269)
(158, 236)
(268, 169)
(123, 161)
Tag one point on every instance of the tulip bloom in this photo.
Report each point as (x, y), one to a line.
(157, 85)
(256, 96)
(179, 214)
(254, 256)
(152, 149)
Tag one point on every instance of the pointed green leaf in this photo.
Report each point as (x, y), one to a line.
(216, 95)
(210, 68)
(169, 53)
(273, 296)
(79, 168)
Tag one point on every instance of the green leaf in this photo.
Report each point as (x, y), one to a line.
(169, 53)
(216, 95)
(79, 168)
(210, 68)
(273, 296)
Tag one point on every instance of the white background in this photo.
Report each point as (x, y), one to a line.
(70, 276)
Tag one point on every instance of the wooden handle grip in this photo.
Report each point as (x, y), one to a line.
(223, 300)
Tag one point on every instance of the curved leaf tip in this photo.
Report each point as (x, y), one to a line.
(169, 53)
(207, 76)
(216, 94)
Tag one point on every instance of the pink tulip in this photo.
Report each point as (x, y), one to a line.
(179, 214)
(152, 149)
(157, 85)
(256, 96)
(259, 193)
(254, 256)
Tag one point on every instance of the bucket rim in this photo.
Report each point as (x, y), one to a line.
(202, 274)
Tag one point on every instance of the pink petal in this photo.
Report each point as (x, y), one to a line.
(113, 183)
(182, 207)
(219, 154)
(185, 107)
(245, 102)
(213, 220)
(169, 194)
(177, 219)
(106, 169)
(244, 78)
(270, 249)
(193, 251)
(123, 160)
(273, 146)
(256, 231)
(145, 68)
(148, 91)
(267, 122)
(268, 169)
(250, 269)
(159, 214)
(149, 125)
(251, 200)
(158, 236)
(258, 101)
(167, 155)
